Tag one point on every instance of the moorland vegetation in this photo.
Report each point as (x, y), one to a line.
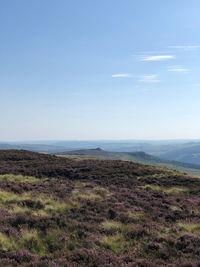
(62, 212)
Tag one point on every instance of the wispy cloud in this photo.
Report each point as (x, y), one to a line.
(157, 58)
(185, 47)
(149, 78)
(178, 69)
(121, 75)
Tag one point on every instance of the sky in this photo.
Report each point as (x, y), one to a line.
(99, 69)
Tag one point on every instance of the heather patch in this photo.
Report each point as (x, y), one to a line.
(95, 213)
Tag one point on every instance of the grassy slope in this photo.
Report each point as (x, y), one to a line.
(139, 157)
(60, 212)
(190, 154)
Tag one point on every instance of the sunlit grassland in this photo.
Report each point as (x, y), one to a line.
(192, 228)
(171, 190)
(40, 205)
(34, 241)
(114, 225)
(86, 191)
(137, 216)
(20, 178)
(114, 243)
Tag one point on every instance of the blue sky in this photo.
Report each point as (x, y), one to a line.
(109, 69)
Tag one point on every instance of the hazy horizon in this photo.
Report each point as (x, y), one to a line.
(27, 141)
(99, 70)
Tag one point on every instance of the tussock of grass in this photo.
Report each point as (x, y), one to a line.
(87, 194)
(7, 243)
(118, 226)
(17, 209)
(39, 205)
(175, 208)
(19, 178)
(80, 184)
(138, 216)
(192, 228)
(10, 197)
(103, 191)
(51, 204)
(172, 190)
(176, 190)
(32, 241)
(114, 243)
(96, 193)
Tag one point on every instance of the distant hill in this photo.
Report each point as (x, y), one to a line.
(182, 151)
(34, 147)
(140, 157)
(189, 154)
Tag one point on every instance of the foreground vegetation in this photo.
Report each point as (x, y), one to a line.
(61, 212)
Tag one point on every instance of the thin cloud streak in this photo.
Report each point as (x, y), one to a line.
(121, 75)
(149, 79)
(178, 69)
(185, 47)
(157, 58)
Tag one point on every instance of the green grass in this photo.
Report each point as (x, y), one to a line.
(118, 226)
(175, 208)
(95, 193)
(101, 190)
(17, 209)
(10, 197)
(114, 243)
(172, 190)
(51, 204)
(80, 184)
(7, 243)
(192, 228)
(41, 205)
(19, 178)
(32, 241)
(86, 194)
(137, 216)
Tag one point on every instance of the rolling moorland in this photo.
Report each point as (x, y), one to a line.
(62, 212)
(139, 157)
(182, 151)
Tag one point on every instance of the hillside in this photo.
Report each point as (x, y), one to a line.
(188, 154)
(63, 212)
(181, 151)
(33, 147)
(139, 157)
